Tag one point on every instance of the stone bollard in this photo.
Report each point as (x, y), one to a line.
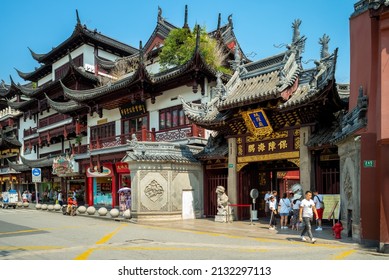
(26, 204)
(127, 214)
(57, 207)
(50, 207)
(91, 210)
(102, 211)
(20, 204)
(38, 206)
(81, 209)
(44, 207)
(114, 213)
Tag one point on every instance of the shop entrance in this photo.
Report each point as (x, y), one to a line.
(103, 191)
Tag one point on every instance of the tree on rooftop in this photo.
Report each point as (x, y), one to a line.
(180, 44)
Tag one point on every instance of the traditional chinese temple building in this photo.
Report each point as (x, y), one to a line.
(266, 120)
(93, 96)
(47, 134)
(147, 102)
(9, 143)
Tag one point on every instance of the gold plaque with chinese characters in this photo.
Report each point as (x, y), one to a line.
(257, 122)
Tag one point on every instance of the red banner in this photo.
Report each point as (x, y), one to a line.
(122, 167)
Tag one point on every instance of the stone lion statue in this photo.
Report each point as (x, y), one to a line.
(297, 190)
(222, 200)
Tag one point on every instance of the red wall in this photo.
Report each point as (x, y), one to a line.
(363, 72)
(369, 40)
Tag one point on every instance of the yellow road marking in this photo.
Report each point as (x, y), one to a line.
(343, 255)
(22, 231)
(106, 238)
(85, 255)
(109, 236)
(36, 230)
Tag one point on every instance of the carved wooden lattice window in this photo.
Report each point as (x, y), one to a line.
(172, 117)
(103, 130)
(134, 124)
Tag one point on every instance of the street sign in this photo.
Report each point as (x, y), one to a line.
(368, 163)
(36, 175)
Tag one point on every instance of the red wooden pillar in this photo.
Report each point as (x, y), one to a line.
(153, 134)
(78, 127)
(144, 133)
(90, 190)
(195, 130)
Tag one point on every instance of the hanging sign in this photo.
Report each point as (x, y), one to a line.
(130, 110)
(122, 167)
(65, 166)
(95, 172)
(257, 122)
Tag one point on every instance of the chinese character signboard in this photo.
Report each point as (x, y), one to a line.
(130, 110)
(122, 167)
(283, 144)
(257, 122)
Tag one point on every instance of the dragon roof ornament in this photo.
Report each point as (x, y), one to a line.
(323, 41)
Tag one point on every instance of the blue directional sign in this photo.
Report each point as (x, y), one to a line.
(36, 175)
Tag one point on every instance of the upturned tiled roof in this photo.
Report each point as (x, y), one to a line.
(36, 163)
(216, 148)
(161, 152)
(28, 164)
(64, 107)
(81, 34)
(354, 120)
(7, 142)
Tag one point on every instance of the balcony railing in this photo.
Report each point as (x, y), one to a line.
(173, 134)
(52, 120)
(30, 131)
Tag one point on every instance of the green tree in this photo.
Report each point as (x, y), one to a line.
(180, 44)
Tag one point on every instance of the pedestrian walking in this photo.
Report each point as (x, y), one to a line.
(60, 198)
(273, 212)
(266, 199)
(307, 209)
(319, 204)
(295, 218)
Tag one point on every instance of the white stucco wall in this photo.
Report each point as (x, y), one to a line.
(171, 98)
(45, 79)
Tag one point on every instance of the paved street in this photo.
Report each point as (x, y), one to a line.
(28, 234)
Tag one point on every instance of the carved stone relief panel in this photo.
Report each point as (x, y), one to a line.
(153, 192)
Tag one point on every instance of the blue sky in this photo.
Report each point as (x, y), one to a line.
(259, 25)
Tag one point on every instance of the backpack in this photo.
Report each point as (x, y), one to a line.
(322, 202)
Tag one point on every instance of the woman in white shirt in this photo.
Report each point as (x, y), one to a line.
(284, 211)
(273, 212)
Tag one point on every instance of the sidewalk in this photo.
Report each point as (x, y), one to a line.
(255, 229)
